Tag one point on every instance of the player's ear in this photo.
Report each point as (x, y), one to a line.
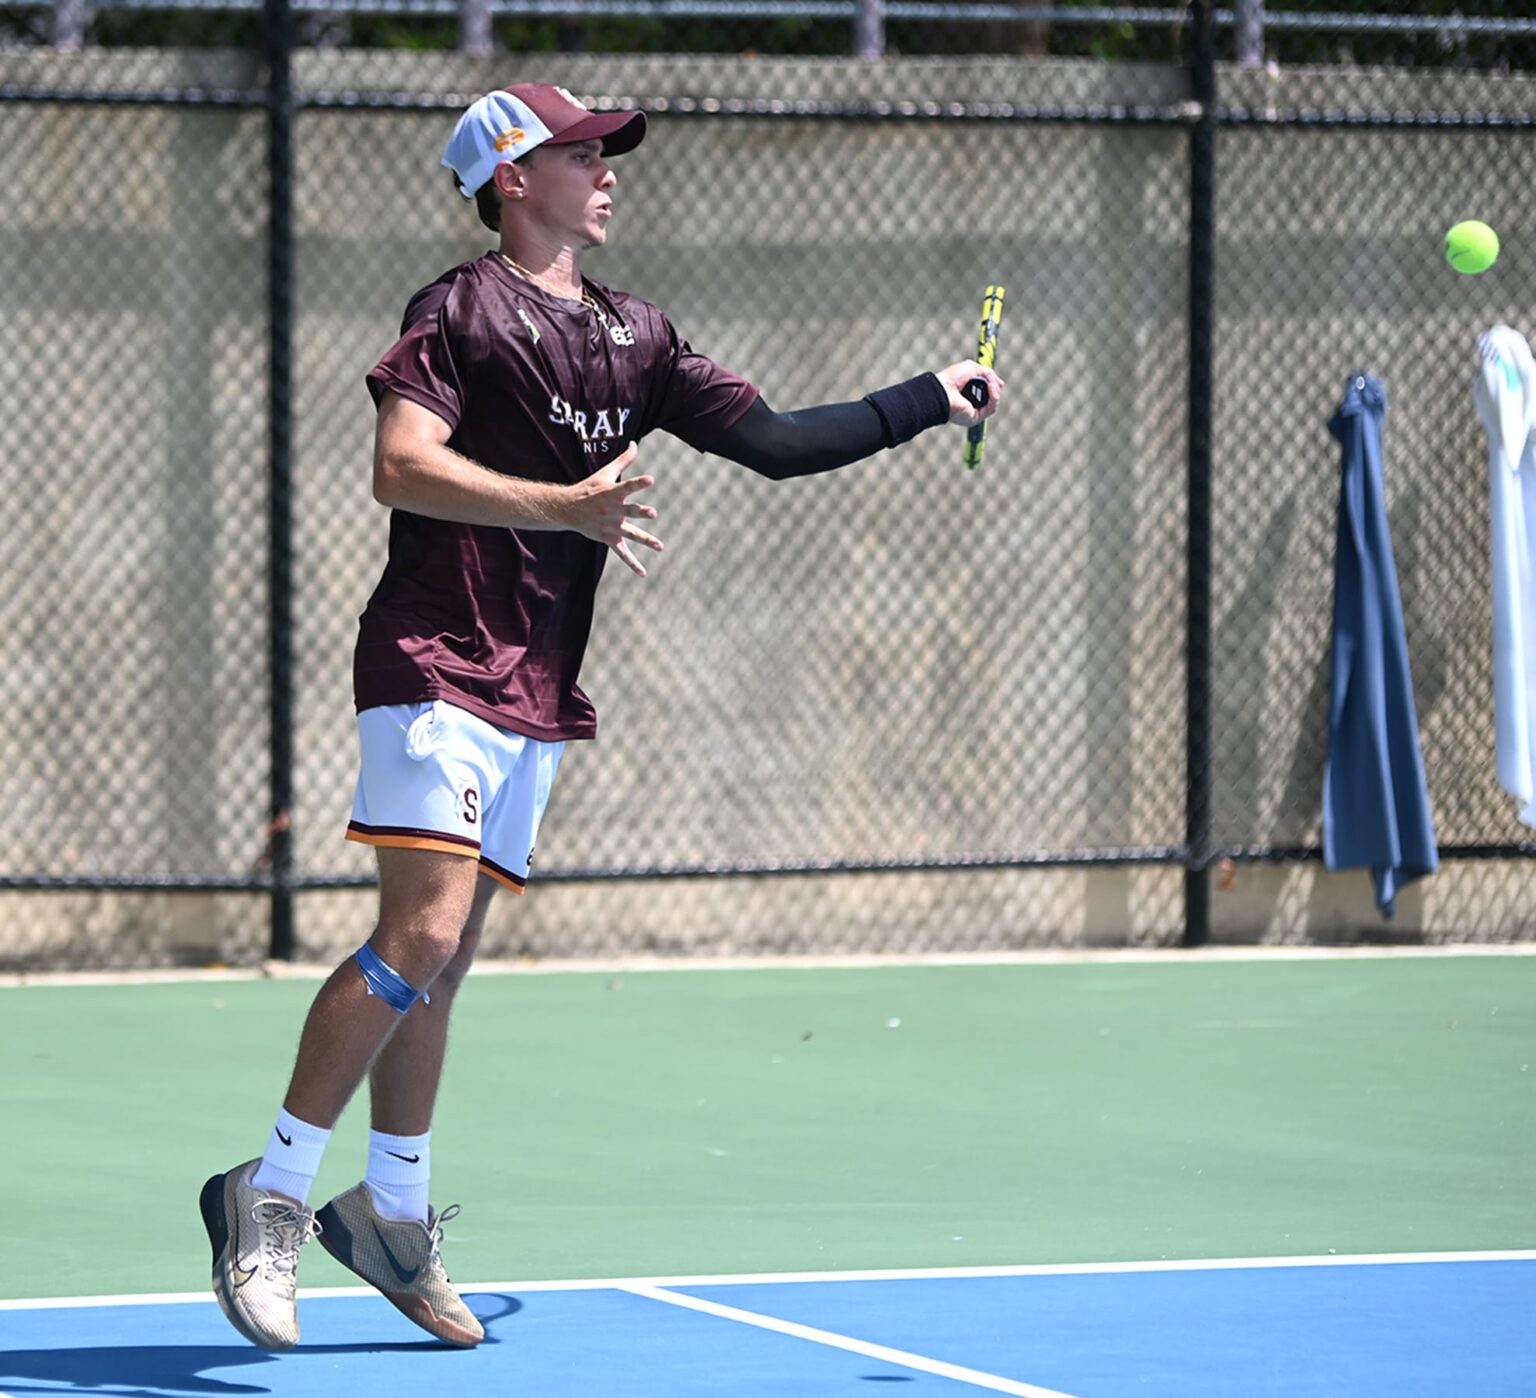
(510, 179)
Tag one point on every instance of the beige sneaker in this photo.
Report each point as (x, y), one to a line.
(256, 1239)
(403, 1260)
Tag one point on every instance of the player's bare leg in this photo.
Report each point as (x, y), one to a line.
(258, 1229)
(384, 1229)
(404, 1078)
(424, 903)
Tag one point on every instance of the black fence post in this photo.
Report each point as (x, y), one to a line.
(1202, 288)
(279, 17)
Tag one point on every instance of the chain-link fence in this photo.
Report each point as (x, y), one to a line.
(900, 707)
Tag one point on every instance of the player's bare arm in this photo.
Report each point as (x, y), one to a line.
(414, 469)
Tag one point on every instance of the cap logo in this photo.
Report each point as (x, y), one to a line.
(575, 102)
(514, 137)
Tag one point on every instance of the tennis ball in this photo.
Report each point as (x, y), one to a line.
(1471, 247)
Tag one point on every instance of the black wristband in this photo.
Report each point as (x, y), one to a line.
(909, 408)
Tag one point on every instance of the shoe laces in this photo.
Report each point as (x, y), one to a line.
(284, 1228)
(434, 1232)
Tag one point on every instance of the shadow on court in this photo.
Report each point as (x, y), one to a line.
(157, 1371)
(130, 1371)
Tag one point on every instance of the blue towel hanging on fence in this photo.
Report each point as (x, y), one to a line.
(1375, 805)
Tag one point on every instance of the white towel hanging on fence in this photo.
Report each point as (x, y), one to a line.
(1505, 394)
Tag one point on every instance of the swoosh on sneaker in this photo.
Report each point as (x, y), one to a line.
(409, 1159)
(406, 1275)
(239, 1275)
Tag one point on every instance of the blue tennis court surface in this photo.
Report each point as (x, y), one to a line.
(1349, 1328)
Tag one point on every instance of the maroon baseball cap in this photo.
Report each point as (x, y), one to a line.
(507, 124)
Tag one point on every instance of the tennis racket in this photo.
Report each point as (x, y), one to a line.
(986, 356)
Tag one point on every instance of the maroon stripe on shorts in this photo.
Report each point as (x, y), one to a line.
(518, 879)
(410, 832)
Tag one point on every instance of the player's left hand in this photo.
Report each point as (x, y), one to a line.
(599, 508)
(961, 409)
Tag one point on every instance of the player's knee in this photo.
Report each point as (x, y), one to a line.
(452, 975)
(418, 955)
(386, 981)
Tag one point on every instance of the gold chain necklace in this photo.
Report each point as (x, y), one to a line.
(585, 297)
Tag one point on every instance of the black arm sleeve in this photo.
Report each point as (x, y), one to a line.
(812, 440)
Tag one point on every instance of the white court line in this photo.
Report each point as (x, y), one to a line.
(1032, 1269)
(638, 965)
(995, 1382)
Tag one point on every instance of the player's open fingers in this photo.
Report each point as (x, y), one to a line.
(630, 561)
(615, 468)
(629, 487)
(639, 511)
(636, 534)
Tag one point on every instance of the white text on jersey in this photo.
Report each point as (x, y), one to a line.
(591, 428)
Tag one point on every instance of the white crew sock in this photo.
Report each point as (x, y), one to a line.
(292, 1158)
(399, 1172)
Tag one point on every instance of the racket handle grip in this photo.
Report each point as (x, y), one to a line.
(976, 391)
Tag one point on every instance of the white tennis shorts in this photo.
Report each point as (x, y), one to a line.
(435, 777)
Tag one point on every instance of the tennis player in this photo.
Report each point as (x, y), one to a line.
(508, 415)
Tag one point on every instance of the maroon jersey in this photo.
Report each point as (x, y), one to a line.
(540, 387)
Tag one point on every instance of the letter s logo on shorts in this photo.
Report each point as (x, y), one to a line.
(469, 806)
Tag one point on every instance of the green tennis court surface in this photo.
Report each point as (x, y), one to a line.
(685, 1123)
(722, 1123)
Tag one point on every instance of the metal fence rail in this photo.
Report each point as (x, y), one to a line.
(921, 25)
(1143, 695)
(948, 11)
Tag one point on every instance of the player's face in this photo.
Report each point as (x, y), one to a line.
(570, 191)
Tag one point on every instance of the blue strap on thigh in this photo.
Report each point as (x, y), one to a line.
(387, 983)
